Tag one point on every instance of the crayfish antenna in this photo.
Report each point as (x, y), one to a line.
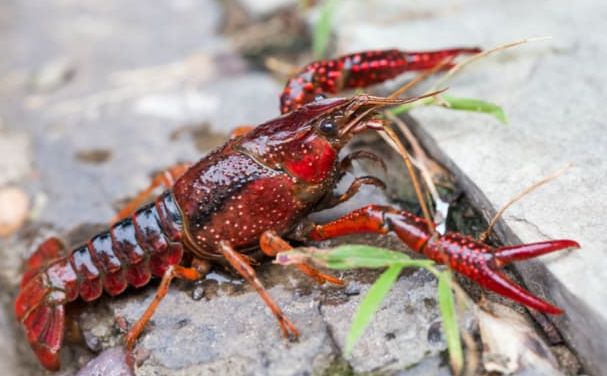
(506, 255)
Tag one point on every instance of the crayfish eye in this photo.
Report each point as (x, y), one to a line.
(328, 127)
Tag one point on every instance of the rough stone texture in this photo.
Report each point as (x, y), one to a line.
(382, 351)
(15, 152)
(552, 92)
(233, 335)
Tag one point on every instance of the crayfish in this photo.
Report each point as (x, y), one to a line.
(249, 193)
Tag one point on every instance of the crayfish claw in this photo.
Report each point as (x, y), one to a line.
(508, 254)
(498, 282)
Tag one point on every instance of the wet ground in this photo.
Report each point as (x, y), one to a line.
(94, 99)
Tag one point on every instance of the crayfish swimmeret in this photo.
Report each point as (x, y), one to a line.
(256, 188)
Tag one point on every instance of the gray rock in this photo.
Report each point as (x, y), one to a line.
(262, 8)
(552, 93)
(8, 358)
(15, 156)
(230, 333)
(381, 348)
(109, 362)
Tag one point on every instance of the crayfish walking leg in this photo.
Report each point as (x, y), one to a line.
(242, 266)
(271, 244)
(194, 273)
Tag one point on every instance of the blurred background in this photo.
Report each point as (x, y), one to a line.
(95, 96)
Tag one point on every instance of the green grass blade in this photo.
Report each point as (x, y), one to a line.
(322, 29)
(450, 327)
(476, 105)
(456, 103)
(370, 304)
(351, 256)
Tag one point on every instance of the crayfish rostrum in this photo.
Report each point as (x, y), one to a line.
(252, 191)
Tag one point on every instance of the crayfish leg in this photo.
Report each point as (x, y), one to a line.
(353, 189)
(194, 273)
(359, 70)
(242, 266)
(271, 244)
(166, 179)
(472, 259)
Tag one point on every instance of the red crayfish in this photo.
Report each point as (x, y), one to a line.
(257, 187)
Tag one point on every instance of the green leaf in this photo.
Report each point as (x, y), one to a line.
(370, 304)
(322, 29)
(476, 105)
(456, 103)
(450, 327)
(352, 256)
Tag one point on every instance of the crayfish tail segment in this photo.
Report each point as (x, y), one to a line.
(505, 255)
(358, 70)
(39, 306)
(40, 310)
(50, 250)
(44, 328)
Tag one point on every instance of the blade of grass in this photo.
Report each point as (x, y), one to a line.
(450, 327)
(322, 29)
(475, 105)
(456, 103)
(370, 304)
(361, 256)
(350, 256)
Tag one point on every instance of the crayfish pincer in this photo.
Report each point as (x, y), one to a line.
(253, 191)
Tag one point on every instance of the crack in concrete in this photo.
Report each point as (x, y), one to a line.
(531, 224)
(336, 350)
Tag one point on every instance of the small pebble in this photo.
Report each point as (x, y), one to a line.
(14, 206)
(198, 292)
(53, 75)
(352, 289)
(109, 362)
